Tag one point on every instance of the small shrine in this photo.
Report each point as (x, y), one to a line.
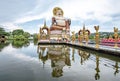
(44, 34)
(83, 35)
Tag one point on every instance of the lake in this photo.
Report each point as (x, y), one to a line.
(26, 61)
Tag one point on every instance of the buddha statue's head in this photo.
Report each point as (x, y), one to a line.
(58, 12)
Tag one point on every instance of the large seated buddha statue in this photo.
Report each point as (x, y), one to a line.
(58, 21)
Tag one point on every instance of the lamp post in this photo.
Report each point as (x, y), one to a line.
(86, 37)
(73, 36)
(81, 37)
(97, 37)
(116, 37)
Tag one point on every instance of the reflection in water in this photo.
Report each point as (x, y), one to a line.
(59, 56)
(97, 75)
(42, 54)
(116, 68)
(83, 55)
(3, 44)
(35, 41)
(73, 53)
(20, 44)
(54, 62)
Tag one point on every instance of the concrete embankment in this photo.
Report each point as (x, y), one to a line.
(102, 49)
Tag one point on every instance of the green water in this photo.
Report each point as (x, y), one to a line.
(26, 61)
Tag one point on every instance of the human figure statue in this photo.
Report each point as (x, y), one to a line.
(58, 21)
(73, 37)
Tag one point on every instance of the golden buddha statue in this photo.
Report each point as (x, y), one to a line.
(58, 21)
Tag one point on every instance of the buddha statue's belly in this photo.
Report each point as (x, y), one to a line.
(60, 22)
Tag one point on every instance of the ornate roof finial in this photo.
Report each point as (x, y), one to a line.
(83, 26)
(44, 23)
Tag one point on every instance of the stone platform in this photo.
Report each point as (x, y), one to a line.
(102, 49)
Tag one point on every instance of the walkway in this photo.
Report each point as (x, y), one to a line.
(102, 49)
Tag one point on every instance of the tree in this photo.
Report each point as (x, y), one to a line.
(2, 29)
(17, 32)
(35, 36)
(26, 34)
(3, 32)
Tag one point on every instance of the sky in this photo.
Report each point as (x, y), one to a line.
(30, 14)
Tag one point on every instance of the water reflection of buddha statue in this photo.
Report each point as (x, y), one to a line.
(60, 57)
(58, 21)
(57, 65)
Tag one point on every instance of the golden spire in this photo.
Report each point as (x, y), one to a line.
(45, 24)
(83, 26)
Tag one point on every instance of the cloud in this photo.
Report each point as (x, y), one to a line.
(99, 10)
(13, 13)
(10, 26)
(91, 12)
(10, 10)
(18, 55)
(32, 18)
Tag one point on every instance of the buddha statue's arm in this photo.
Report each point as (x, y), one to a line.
(53, 20)
(55, 25)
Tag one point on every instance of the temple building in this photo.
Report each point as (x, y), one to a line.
(60, 27)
